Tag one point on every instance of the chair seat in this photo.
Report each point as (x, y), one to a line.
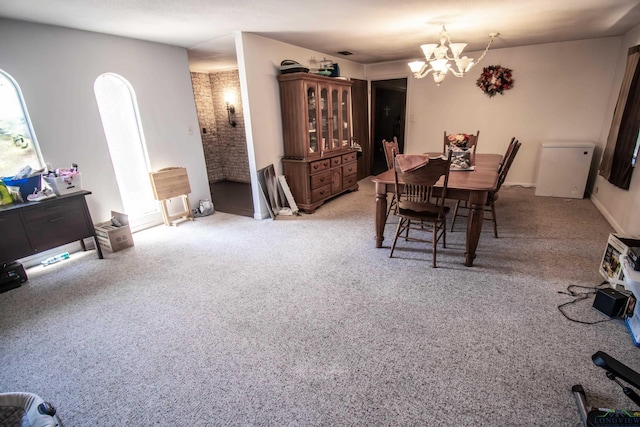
(421, 214)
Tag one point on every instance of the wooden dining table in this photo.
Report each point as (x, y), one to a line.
(472, 186)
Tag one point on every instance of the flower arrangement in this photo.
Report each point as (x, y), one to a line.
(458, 140)
(495, 79)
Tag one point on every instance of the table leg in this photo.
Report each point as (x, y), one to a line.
(98, 248)
(477, 201)
(381, 212)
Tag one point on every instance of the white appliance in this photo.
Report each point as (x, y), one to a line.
(632, 283)
(564, 169)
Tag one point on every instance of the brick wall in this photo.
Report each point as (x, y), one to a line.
(225, 147)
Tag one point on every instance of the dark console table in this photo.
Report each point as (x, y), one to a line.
(33, 227)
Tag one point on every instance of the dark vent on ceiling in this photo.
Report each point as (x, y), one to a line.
(345, 53)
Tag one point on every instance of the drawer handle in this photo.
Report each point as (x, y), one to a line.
(325, 164)
(322, 192)
(322, 179)
(56, 219)
(315, 166)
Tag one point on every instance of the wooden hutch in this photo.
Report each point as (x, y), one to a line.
(319, 162)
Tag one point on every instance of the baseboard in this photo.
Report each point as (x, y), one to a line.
(603, 210)
(518, 184)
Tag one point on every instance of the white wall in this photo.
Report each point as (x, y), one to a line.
(561, 92)
(621, 207)
(258, 62)
(56, 68)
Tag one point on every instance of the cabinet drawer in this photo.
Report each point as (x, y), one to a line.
(351, 157)
(57, 229)
(336, 161)
(44, 209)
(349, 169)
(320, 193)
(319, 166)
(348, 181)
(320, 179)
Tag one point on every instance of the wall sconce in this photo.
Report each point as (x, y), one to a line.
(231, 110)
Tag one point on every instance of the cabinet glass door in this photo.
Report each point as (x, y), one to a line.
(335, 118)
(344, 126)
(313, 113)
(324, 114)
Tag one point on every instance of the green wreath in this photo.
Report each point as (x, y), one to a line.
(495, 79)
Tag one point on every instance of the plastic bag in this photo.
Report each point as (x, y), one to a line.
(5, 197)
(204, 209)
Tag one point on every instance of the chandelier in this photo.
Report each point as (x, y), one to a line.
(439, 57)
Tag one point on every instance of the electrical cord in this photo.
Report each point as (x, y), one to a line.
(579, 296)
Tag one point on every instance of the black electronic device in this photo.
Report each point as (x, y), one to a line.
(12, 276)
(610, 302)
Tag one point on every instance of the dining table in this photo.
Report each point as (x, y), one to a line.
(472, 186)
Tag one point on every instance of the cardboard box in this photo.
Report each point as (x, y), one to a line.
(112, 238)
(615, 252)
(64, 184)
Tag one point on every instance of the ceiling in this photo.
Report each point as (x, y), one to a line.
(373, 30)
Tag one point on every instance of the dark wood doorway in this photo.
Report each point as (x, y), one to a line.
(389, 104)
(360, 113)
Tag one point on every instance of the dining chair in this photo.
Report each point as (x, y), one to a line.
(472, 143)
(507, 153)
(492, 197)
(420, 208)
(390, 147)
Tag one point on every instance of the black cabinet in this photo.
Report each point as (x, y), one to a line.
(14, 243)
(33, 227)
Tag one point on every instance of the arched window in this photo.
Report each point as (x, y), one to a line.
(121, 122)
(17, 138)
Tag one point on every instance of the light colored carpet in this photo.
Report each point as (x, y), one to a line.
(302, 321)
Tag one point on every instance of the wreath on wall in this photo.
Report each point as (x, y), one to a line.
(495, 79)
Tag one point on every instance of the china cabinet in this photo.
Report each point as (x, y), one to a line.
(319, 162)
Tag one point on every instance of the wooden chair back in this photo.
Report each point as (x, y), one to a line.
(507, 164)
(389, 148)
(419, 193)
(507, 153)
(472, 144)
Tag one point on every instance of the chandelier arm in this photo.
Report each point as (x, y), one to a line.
(422, 73)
